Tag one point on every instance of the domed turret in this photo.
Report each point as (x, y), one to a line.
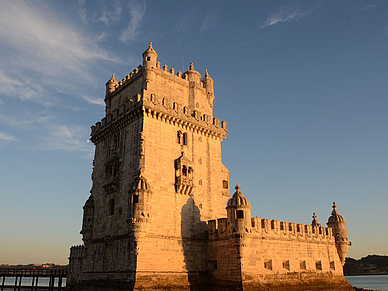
(88, 219)
(192, 75)
(238, 212)
(149, 57)
(338, 224)
(208, 83)
(111, 85)
(140, 183)
(141, 199)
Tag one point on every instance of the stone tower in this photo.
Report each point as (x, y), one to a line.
(338, 224)
(157, 178)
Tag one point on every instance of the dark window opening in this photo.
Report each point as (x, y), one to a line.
(178, 137)
(184, 171)
(185, 138)
(148, 59)
(240, 214)
(225, 184)
(135, 198)
(111, 207)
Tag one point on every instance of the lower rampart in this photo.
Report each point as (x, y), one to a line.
(274, 255)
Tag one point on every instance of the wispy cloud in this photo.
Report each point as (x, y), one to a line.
(287, 14)
(208, 23)
(42, 54)
(66, 138)
(371, 6)
(7, 137)
(93, 100)
(137, 10)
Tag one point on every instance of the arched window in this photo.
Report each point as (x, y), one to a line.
(190, 172)
(111, 207)
(148, 59)
(184, 138)
(184, 171)
(179, 137)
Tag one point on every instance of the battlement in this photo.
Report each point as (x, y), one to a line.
(77, 252)
(272, 229)
(176, 111)
(178, 76)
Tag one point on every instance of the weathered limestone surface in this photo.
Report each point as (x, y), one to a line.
(156, 216)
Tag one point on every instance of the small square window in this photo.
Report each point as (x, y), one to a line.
(240, 214)
(268, 264)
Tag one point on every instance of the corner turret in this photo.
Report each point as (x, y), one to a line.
(208, 83)
(87, 223)
(238, 212)
(111, 85)
(149, 57)
(338, 224)
(140, 197)
(192, 75)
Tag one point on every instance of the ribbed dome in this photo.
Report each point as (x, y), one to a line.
(141, 183)
(238, 199)
(335, 216)
(149, 50)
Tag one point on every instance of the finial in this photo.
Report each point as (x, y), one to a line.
(113, 77)
(206, 73)
(191, 67)
(150, 46)
(335, 211)
(315, 221)
(237, 188)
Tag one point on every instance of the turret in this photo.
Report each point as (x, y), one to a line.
(192, 75)
(140, 198)
(87, 223)
(338, 224)
(111, 85)
(208, 84)
(238, 212)
(149, 57)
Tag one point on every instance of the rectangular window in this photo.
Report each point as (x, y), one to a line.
(302, 265)
(318, 265)
(332, 265)
(135, 198)
(225, 184)
(268, 264)
(286, 265)
(240, 214)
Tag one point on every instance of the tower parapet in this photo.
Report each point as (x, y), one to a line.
(338, 224)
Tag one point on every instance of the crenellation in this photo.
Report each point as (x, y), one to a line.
(160, 214)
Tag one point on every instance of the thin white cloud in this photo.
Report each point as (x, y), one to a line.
(286, 14)
(43, 54)
(371, 6)
(137, 10)
(93, 100)
(7, 137)
(208, 23)
(71, 138)
(81, 10)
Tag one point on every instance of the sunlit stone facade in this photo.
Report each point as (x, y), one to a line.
(160, 213)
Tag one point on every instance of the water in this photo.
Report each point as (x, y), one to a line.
(374, 282)
(43, 282)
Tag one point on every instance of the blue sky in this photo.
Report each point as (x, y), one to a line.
(302, 84)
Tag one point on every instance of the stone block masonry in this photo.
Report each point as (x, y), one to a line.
(160, 215)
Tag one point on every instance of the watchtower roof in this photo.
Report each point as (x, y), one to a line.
(335, 215)
(238, 199)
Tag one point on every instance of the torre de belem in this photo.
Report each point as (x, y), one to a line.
(160, 215)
